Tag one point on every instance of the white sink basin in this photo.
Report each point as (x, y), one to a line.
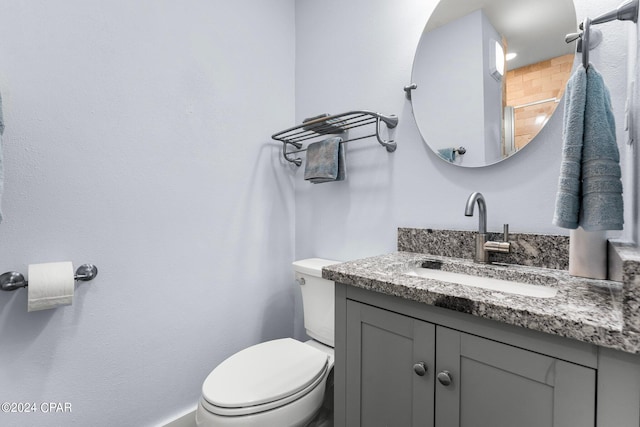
(507, 286)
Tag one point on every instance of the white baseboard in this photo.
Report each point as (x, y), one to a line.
(186, 420)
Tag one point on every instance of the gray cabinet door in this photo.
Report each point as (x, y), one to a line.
(498, 385)
(382, 387)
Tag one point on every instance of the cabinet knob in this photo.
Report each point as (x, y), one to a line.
(445, 378)
(420, 368)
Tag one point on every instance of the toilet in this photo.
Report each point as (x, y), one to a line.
(277, 383)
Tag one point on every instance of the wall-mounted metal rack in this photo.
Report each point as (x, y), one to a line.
(320, 127)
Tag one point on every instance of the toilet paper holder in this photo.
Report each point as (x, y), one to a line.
(12, 280)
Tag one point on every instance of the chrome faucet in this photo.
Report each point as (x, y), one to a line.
(484, 247)
(482, 205)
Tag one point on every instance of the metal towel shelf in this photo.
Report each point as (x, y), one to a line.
(338, 124)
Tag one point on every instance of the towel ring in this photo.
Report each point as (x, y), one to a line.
(586, 27)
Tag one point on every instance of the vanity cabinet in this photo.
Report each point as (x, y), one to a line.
(498, 385)
(394, 368)
(390, 368)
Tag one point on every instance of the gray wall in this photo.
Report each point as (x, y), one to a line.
(492, 95)
(453, 77)
(138, 138)
(458, 46)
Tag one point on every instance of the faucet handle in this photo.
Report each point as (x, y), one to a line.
(503, 247)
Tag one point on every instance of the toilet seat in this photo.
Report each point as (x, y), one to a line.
(263, 377)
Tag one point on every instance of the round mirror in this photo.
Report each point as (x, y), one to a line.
(489, 75)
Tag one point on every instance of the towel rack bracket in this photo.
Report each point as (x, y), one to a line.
(11, 280)
(86, 272)
(408, 89)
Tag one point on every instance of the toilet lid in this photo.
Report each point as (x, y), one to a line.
(264, 373)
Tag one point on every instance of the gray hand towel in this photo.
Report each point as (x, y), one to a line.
(601, 207)
(567, 210)
(589, 187)
(325, 161)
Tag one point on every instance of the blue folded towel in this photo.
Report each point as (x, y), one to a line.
(448, 154)
(325, 161)
(589, 189)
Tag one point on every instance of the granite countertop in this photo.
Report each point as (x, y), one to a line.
(584, 309)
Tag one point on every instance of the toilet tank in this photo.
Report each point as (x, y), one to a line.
(318, 299)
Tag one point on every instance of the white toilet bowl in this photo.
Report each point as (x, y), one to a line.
(276, 383)
(279, 383)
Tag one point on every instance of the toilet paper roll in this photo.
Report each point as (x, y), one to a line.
(50, 285)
